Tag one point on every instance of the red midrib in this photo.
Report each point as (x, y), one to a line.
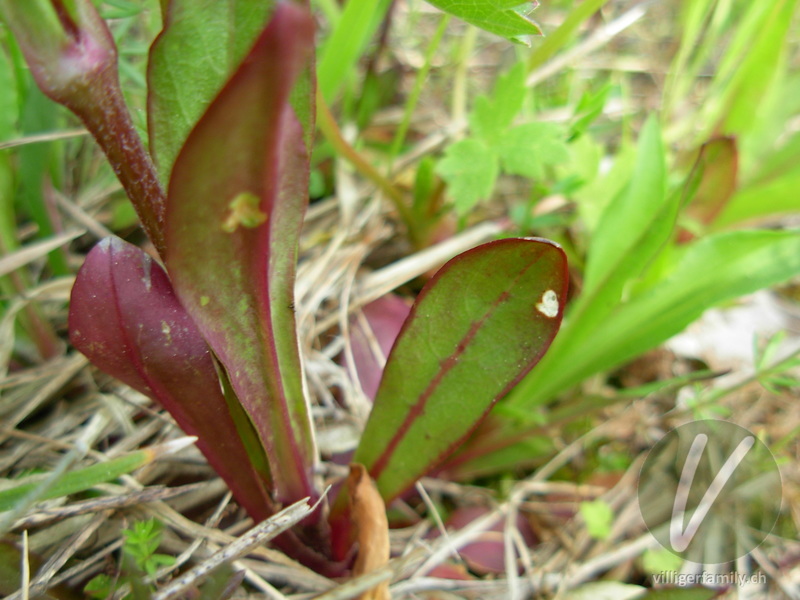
(446, 366)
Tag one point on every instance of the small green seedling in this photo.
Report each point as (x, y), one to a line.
(139, 559)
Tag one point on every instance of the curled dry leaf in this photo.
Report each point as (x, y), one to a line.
(368, 513)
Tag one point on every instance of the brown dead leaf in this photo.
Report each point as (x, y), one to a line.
(368, 513)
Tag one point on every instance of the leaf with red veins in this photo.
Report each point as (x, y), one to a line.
(478, 326)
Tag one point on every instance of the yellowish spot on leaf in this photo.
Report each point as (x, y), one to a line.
(165, 329)
(244, 210)
(548, 306)
(204, 300)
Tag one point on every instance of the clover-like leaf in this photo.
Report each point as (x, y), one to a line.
(526, 149)
(470, 168)
(492, 115)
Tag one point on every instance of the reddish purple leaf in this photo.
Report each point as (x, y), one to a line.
(373, 337)
(125, 318)
(235, 206)
(486, 554)
(715, 174)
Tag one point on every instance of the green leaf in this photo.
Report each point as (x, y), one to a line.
(100, 586)
(470, 169)
(201, 44)
(627, 226)
(235, 206)
(482, 322)
(526, 149)
(661, 559)
(589, 107)
(496, 16)
(492, 115)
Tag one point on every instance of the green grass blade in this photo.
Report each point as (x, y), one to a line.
(765, 57)
(632, 230)
(559, 38)
(715, 269)
(616, 250)
(763, 198)
(80, 480)
(751, 62)
(341, 51)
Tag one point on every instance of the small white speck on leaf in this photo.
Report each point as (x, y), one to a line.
(549, 304)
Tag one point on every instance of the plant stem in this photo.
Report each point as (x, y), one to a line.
(333, 134)
(73, 58)
(109, 121)
(459, 100)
